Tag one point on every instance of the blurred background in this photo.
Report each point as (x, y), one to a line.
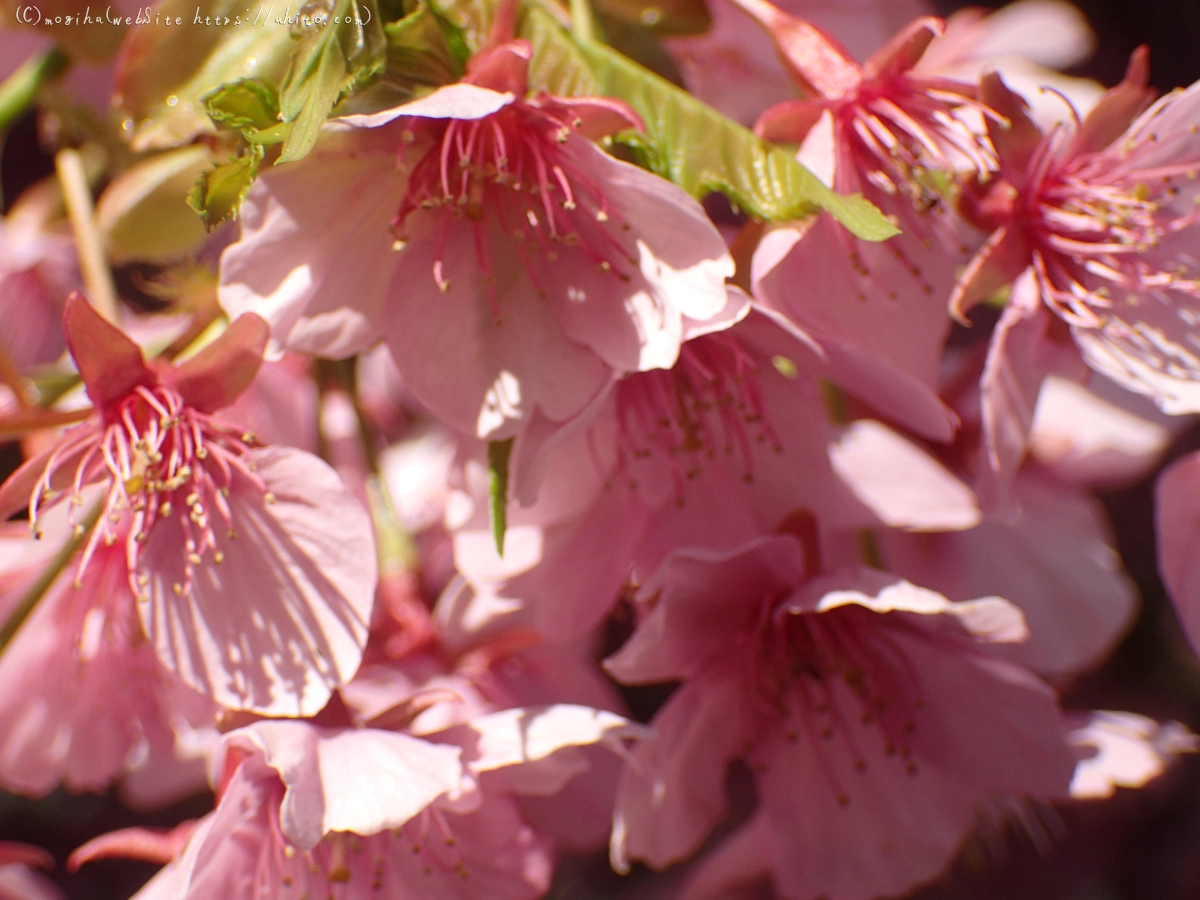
(1140, 845)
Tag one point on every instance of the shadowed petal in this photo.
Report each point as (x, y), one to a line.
(282, 620)
(315, 253)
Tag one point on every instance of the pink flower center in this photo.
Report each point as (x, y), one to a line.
(832, 676)
(161, 458)
(899, 131)
(1099, 227)
(711, 403)
(511, 166)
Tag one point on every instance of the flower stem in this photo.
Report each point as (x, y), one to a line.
(92, 261)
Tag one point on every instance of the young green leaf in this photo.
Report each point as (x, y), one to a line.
(164, 72)
(246, 105)
(498, 454)
(703, 151)
(424, 51)
(219, 192)
(333, 59)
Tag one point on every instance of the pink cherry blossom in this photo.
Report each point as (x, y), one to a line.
(732, 66)
(733, 442)
(877, 128)
(253, 568)
(861, 702)
(87, 701)
(510, 264)
(1103, 214)
(373, 813)
(1028, 345)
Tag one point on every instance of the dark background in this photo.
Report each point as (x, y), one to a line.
(1141, 845)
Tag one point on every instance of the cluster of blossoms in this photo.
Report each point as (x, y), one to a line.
(459, 404)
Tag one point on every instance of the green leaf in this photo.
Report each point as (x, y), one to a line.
(332, 60)
(498, 454)
(558, 65)
(702, 151)
(164, 71)
(687, 141)
(219, 192)
(424, 51)
(248, 105)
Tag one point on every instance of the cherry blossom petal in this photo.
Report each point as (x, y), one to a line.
(901, 483)
(1099, 435)
(282, 620)
(361, 781)
(692, 615)
(313, 258)
(1028, 345)
(988, 619)
(673, 792)
(1177, 525)
(453, 101)
(681, 260)
(216, 376)
(484, 372)
(1149, 348)
(524, 745)
(14, 854)
(85, 694)
(1053, 558)
(884, 342)
(19, 883)
(159, 845)
(986, 729)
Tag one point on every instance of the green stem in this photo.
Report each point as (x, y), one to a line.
(395, 547)
(583, 23)
(19, 89)
(93, 263)
(39, 587)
